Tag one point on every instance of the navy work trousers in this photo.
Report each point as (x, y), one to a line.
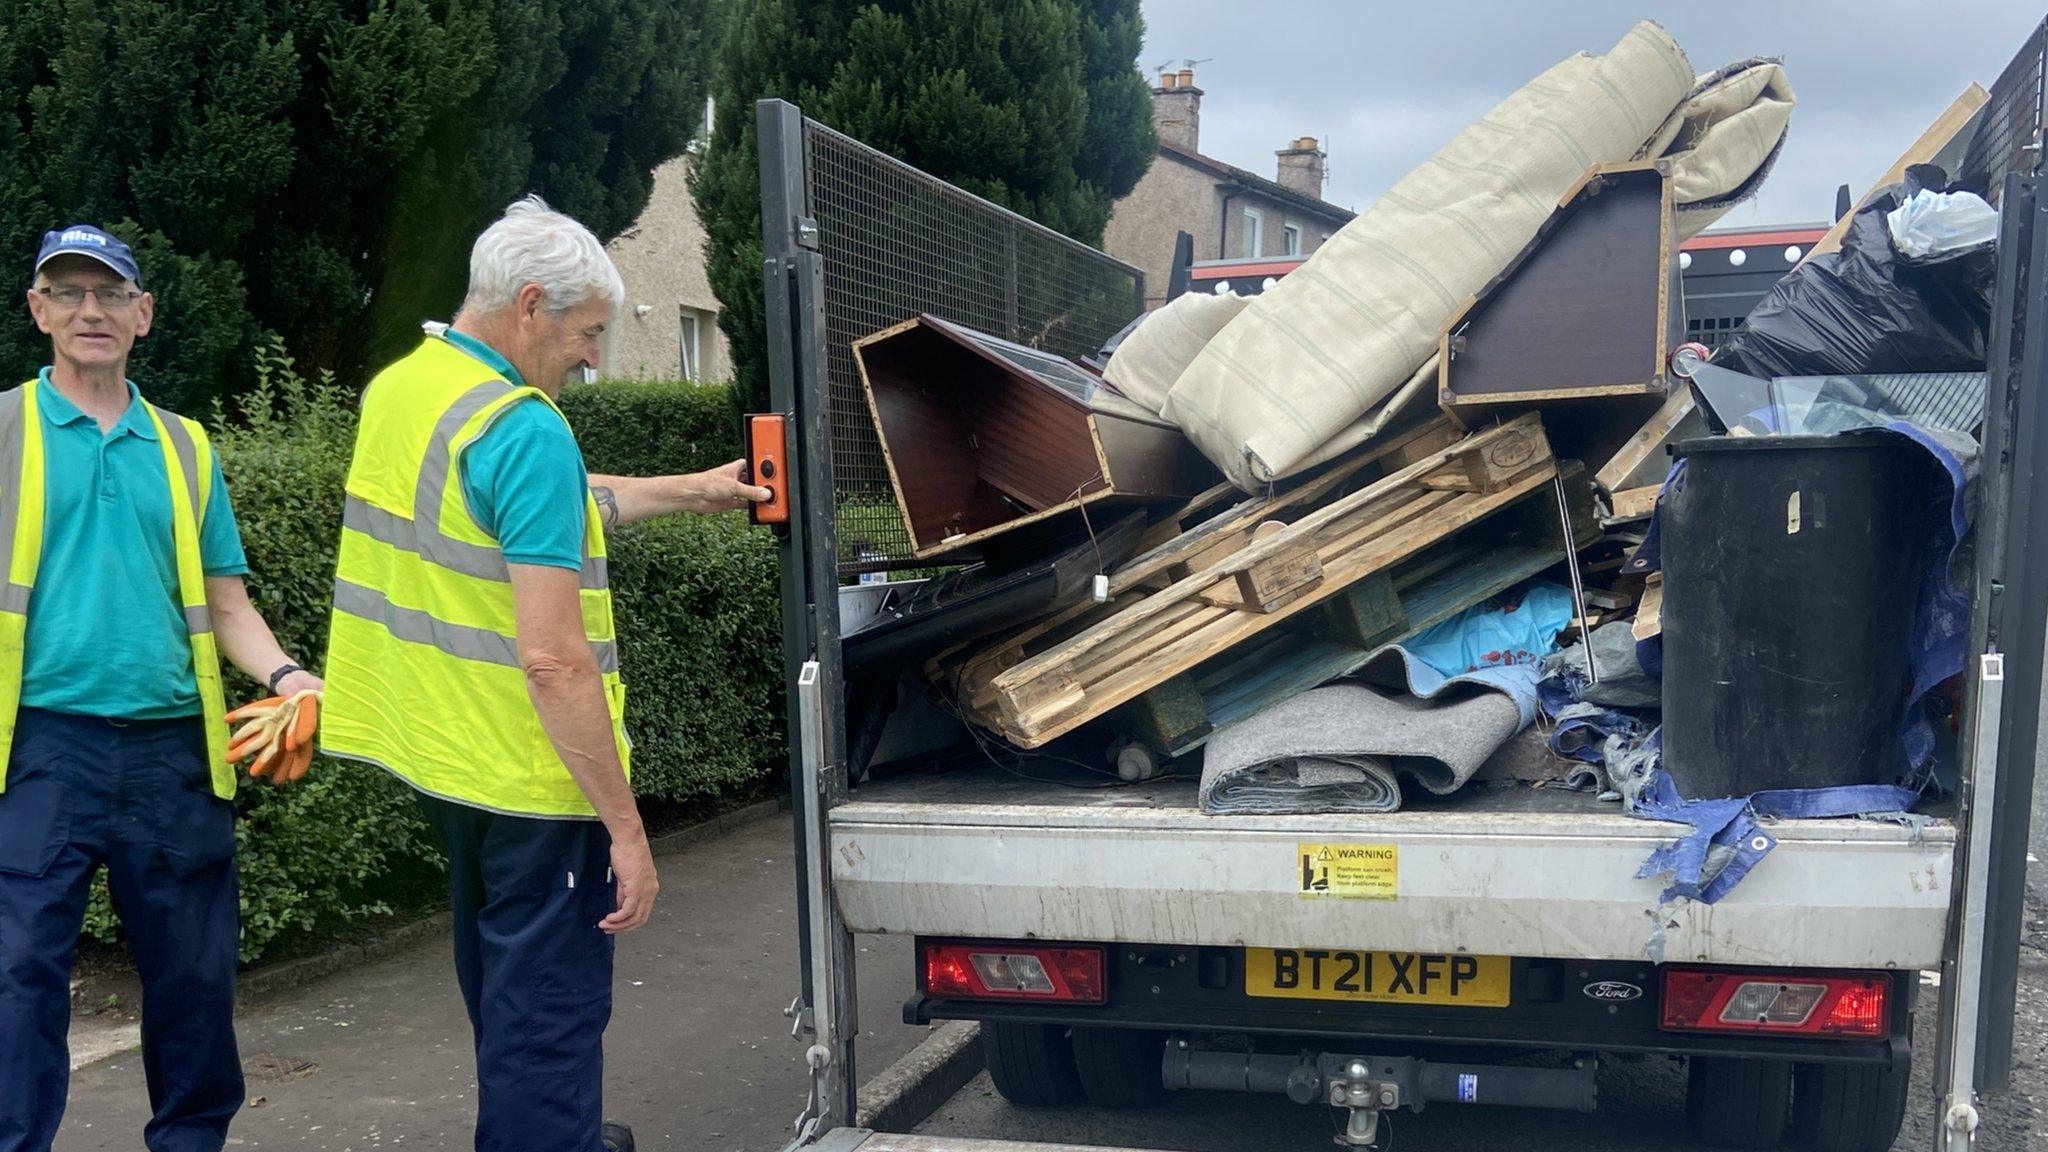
(535, 970)
(138, 798)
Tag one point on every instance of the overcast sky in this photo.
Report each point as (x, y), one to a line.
(1385, 85)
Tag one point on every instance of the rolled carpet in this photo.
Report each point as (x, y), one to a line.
(1341, 748)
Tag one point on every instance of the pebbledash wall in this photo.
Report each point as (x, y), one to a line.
(670, 315)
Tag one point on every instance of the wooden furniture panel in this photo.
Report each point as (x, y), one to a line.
(1582, 319)
(943, 494)
(981, 436)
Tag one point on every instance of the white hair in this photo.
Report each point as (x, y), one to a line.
(534, 244)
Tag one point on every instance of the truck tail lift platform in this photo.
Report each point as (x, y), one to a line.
(1115, 944)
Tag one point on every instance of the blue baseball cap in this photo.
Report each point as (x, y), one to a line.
(93, 243)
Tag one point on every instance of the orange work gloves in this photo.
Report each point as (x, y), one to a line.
(278, 733)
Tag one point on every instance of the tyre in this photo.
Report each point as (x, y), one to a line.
(1031, 1064)
(1120, 1066)
(1848, 1107)
(1736, 1103)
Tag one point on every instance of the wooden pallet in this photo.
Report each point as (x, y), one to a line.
(1388, 607)
(1176, 553)
(1229, 596)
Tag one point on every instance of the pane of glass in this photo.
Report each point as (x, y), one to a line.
(1050, 369)
(1254, 226)
(689, 364)
(1290, 241)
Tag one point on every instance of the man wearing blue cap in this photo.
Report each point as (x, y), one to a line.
(120, 589)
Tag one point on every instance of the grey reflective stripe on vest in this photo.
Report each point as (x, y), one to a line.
(479, 560)
(462, 641)
(188, 456)
(198, 621)
(13, 437)
(422, 535)
(433, 484)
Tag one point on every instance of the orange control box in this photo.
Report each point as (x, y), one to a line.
(766, 438)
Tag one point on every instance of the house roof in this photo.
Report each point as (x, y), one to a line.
(1257, 183)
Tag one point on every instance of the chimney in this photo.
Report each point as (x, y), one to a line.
(1177, 109)
(1301, 167)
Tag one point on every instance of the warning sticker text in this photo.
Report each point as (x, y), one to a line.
(1348, 871)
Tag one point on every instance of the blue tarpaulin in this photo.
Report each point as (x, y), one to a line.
(1728, 837)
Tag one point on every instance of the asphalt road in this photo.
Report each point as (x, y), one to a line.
(698, 1055)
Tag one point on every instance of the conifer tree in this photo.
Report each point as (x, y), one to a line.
(1035, 104)
(318, 168)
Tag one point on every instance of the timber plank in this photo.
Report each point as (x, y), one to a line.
(1960, 114)
(1647, 440)
(1633, 503)
(1650, 610)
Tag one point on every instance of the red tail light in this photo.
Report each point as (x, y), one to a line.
(1778, 1003)
(979, 971)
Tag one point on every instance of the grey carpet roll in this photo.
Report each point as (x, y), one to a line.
(1341, 747)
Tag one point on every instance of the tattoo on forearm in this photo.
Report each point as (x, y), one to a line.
(607, 504)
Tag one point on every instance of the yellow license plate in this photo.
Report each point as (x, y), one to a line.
(1456, 981)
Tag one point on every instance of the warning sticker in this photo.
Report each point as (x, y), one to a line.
(1349, 871)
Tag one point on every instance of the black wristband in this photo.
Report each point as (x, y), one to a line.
(280, 674)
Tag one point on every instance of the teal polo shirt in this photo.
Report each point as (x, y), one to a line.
(106, 632)
(524, 478)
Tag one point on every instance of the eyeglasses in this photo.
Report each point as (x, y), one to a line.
(112, 299)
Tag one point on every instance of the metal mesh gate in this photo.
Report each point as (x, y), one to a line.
(896, 242)
(2012, 121)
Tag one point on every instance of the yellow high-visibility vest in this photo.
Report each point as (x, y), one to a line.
(188, 469)
(423, 670)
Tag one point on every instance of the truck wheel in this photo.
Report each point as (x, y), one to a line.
(1120, 1066)
(1737, 1103)
(1848, 1107)
(1030, 1063)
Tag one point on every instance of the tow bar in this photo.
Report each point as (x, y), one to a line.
(1370, 1085)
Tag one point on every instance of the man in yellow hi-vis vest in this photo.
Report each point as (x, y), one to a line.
(120, 589)
(473, 656)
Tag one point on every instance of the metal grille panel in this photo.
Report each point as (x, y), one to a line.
(1712, 331)
(896, 242)
(2012, 121)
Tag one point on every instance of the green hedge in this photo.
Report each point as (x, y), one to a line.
(700, 645)
(653, 427)
(700, 638)
(699, 648)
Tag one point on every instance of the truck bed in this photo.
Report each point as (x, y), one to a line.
(1509, 869)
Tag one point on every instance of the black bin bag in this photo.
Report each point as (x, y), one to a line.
(1865, 310)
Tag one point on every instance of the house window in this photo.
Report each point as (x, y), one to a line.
(1290, 240)
(1254, 232)
(690, 363)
